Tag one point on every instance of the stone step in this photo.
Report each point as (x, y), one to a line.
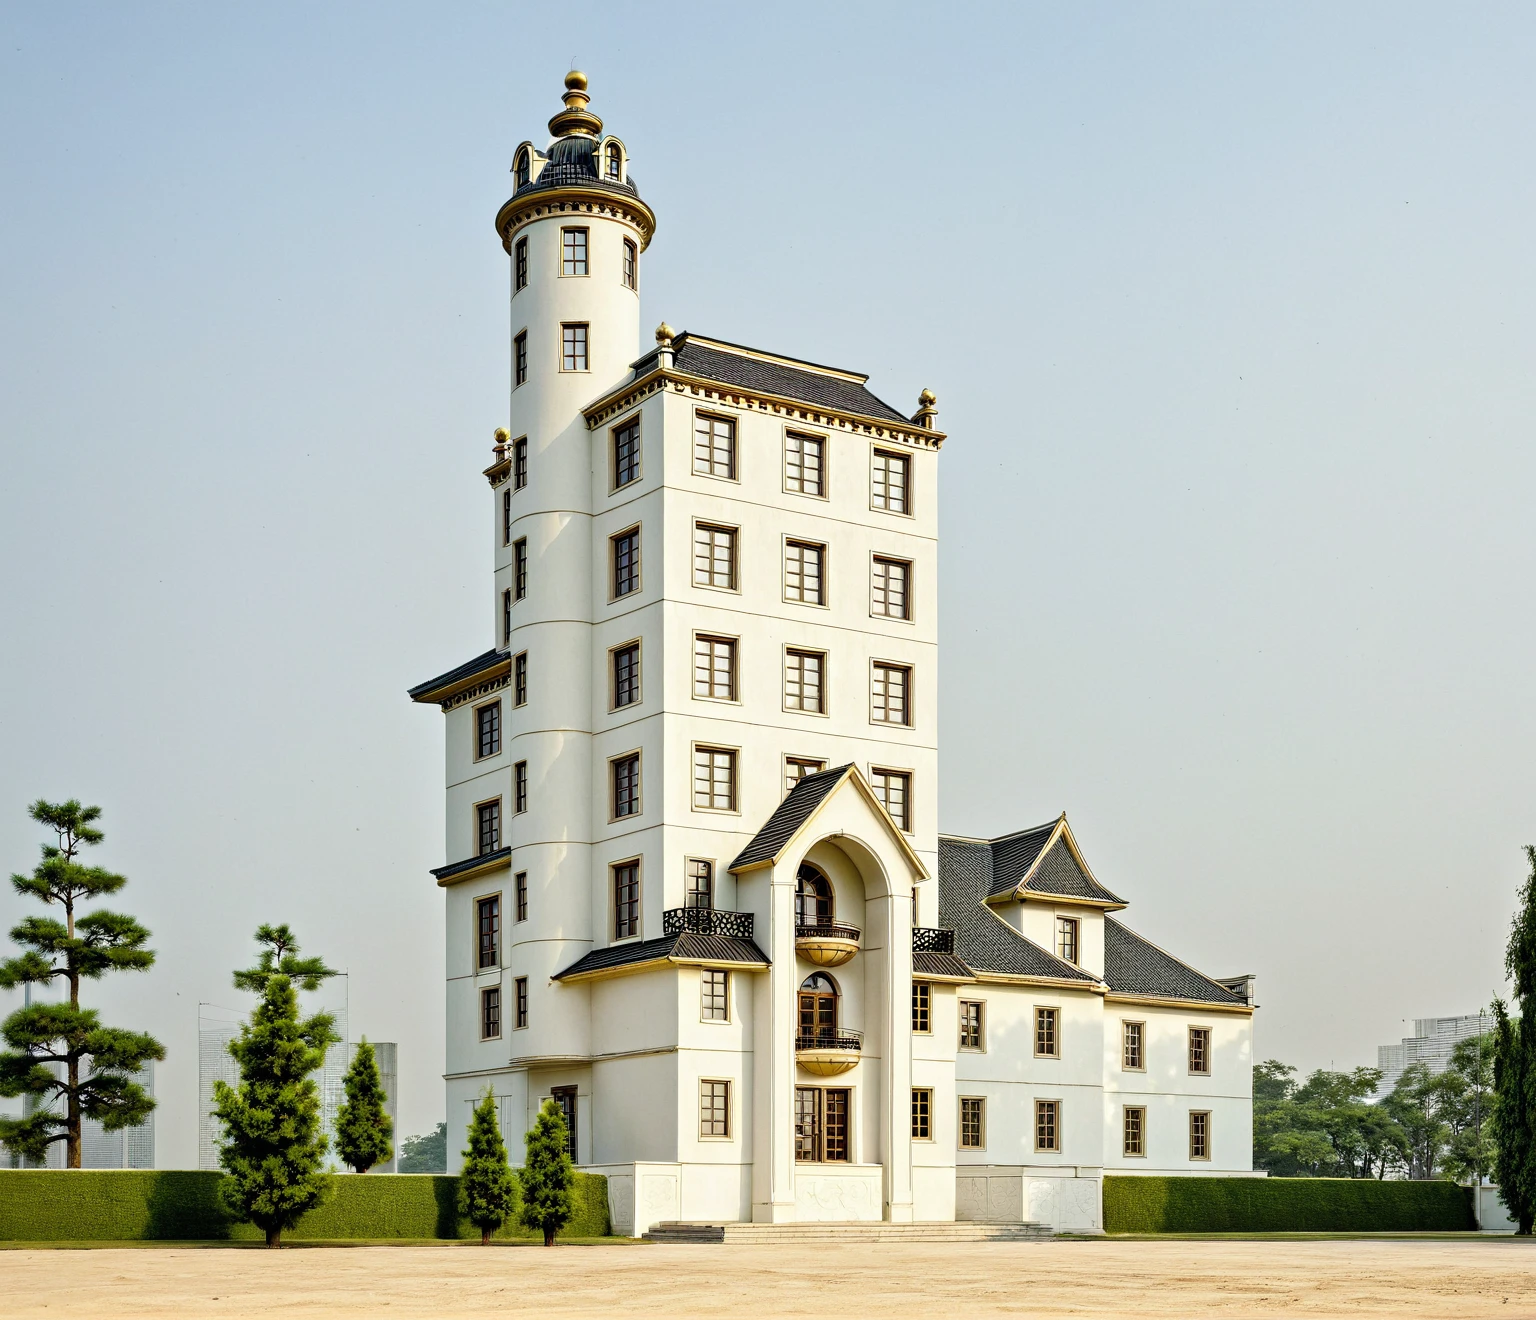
(769, 1234)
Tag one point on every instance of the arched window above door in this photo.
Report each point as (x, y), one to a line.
(813, 897)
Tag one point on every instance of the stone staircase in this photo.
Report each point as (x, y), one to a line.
(773, 1234)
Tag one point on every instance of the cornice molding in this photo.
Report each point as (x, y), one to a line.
(659, 379)
(1159, 1001)
(574, 200)
(498, 473)
(481, 689)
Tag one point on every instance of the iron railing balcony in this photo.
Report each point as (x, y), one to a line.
(830, 1038)
(706, 921)
(932, 939)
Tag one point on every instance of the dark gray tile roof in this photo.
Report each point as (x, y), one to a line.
(983, 940)
(470, 863)
(927, 963)
(789, 816)
(485, 660)
(1134, 966)
(1014, 854)
(686, 946)
(777, 378)
(1059, 873)
(573, 163)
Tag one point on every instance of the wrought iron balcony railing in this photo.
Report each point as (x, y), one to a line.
(706, 921)
(830, 1038)
(932, 939)
(827, 930)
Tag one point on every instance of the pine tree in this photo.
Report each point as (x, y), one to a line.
(274, 1150)
(547, 1174)
(1514, 1066)
(486, 1192)
(59, 1053)
(363, 1129)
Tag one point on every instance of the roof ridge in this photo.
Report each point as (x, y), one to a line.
(1193, 971)
(783, 359)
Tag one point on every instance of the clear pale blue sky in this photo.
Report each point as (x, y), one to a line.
(1228, 309)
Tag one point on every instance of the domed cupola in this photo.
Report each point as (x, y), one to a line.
(580, 162)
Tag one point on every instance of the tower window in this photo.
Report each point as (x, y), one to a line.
(805, 470)
(520, 568)
(626, 786)
(714, 779)
(626, 675)
(573, 356)
(488, 918)
(626, 562)
(520, 787)
(520, 265)
(626, 453)
(891, 482)
(804, 685)
(520, 1001)
(631, 263)
(714, 667)
(523, 165)
(488, 730)
(700, 891)
(520, 463)
(519, 679)
(626, 900)
(488, 818)
(894, 789)
(573, 251)
(714, 556)
(520, 359)
(615, 161)
(506, 617)
(490, 1012)
(714, 446)
(521, 882)
(506, 517)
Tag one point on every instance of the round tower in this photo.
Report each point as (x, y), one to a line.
(574, 230)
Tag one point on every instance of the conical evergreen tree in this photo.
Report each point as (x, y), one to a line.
(59, 1053)
(1514, 1066)
(547, 1174)
(486, 1191)
(273, 1149)
(363, 1129)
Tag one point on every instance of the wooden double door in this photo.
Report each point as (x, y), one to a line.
(821, 1124)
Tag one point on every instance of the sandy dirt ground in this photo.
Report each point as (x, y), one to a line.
(1427, 1277)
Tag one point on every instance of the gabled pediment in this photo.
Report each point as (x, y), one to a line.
(1046, 863)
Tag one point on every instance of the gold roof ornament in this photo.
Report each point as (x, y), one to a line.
(927, 412)
(664, 333)
(576, 118)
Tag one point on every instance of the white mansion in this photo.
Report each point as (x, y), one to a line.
(696, 889)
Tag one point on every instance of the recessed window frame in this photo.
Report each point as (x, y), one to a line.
(506, 514)
(625, 768)
(794, 548)
(1069, 939)
(637, 646)
(714, 533)
(616, 466)
(922, 1113)
(490, 1012)
(876, 562)
(520, 889)
(1047, 1031)
(488, 808)
(972, 1034)
(626, 911)
(734, 463)
(629, 265)
(879, 671)
(733, 755)
(506, 617)
(1200, 1136)
(488, 912)
(614, 594)
(575, 252)
(717, 644)
(877, 453)
(714, 995)
(971, 1128)
(906, 822)
(520, 358)
(795, 658)
(520, 265)
(1192, 1057)
(520, 569)
(922, 1008)
(520, 679)
(1133, 1057)
(520, 462)
(575, 347)
(519, 788)
(793, 433)
(699, 882)
(1133, 1132)
(822, 1140)
(520, 1003)
(488, 711)
(715, 1099)
(1048, 1119)
(807, 765)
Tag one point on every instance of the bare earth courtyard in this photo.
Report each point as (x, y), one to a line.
(1427, 1277)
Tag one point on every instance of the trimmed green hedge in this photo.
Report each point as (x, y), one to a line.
(1284, 1205)
(111, 1205)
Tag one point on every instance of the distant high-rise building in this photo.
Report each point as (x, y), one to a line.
(127, 1148)
(387, 1054)
(1432, 1041)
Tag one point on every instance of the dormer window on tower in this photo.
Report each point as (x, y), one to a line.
(615, 161)
(524, 166)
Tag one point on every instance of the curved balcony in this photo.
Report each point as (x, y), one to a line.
(827, 943)
(830, 1051)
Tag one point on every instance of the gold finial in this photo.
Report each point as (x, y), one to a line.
(927, 398)
(926, 409)
(502, 435)
(576, 118)
(664, 333)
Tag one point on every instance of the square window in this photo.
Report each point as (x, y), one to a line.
(1047, 1040)
(520, 991)
(1200, 1051)
(973, 1122)
(890, 695)
(626, 453)
(797, 767)
(973, 1025)
(714, 995)
(625, 554)
(922, 1007)
(520, 265)
(626, 900)
(891, 595)
(804, 572)
(1067, 930)
(520, 463)
(891, 482)
(1048, 1125)
(1135, 1137)
(520, 568)
(573, 251)
(714, 446)
(922, 1113)
(894, 789)
(520, 679)
(520, 881)
(487, 730)
(1199, 1134)
(714, 556)
(490, 1012)
(1132, 1036)
(488, 818)
(626, 786)
(520, 359)
(714, 1109)
(805, 470)
(699, 891)
(488, 920)
(626, 675)
(804, 686)
(573, 347)
(520, 787)
(714, 779)
(714, 667)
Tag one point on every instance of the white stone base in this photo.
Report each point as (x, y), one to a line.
(1068, 1199)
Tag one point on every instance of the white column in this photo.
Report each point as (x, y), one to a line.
(773, 1046)
(895, 912)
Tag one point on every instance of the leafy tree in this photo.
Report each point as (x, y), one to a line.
(486, 1192)
(280, 956)
(425, 1154)
(1422, 1104)
(273, 1149)
(1470, 1154)
(59, 1053)
(1514, 1065)
(547, 1174)
(363, 1128)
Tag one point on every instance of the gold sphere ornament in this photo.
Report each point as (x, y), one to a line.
(664, 333)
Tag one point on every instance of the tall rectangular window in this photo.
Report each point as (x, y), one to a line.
(626, 453)
(714, 1109)
(520, 463)
(804, 688)
(714, 446)
(488, 730)
(804, 578)
(520, 265)
(520, 882)
(573, 251)
(1048, 1125)
(1047, 1037)
(714, 779)
(520, 568)
(714, 995)
(506, 516)
(805, 471)
(891, 597)
(573, 346)
(714, 667)
(699, 890)
(520, 679)
(714, 556)
(821, 1124)
(488, 818)
(520, 787)
(490, 1012)
(625, 555)
(890, 694)
(1067, 931)
(922, 1007)
(1134, 1141)
(626, 675)
(922, 1113)
(520, 359)
(506, 617)
(973, 1025)
(973, 1122)
(488, 920)
(1199, 1134)
(797, 767)
(565, 1097)
(520, 1002)
(1200, 1051)
(631, 264)
(894, 789)
(1132, 1035)
(626, 900)
(626, 786)
(890, 483)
